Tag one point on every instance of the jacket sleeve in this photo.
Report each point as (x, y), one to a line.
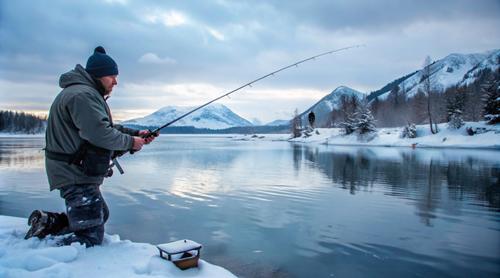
(90, 117)
(126, 130)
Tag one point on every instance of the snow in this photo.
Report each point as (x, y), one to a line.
(179, 246)
(213, 116)
(115, 258)
(391, 137)
(332, 100)
(491, 62)
(454, 69)
(446, 72)
(324, 107)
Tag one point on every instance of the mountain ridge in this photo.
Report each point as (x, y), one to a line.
(328, 103)
(213, 116)
(455, 69)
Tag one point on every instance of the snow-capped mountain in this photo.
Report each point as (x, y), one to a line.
(278, 123)
(492, 62)
(454, 69)
(255, 121)
(325, 106)
(213, 116)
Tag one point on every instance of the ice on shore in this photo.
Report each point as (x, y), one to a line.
(115, 258)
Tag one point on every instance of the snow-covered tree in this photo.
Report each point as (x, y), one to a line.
(454, 108)
(348, 125)
(456, 121)
(364, 121)
(491, 110)
(348, 107)
(409, 131)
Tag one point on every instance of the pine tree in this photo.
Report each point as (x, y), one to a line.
(348, 107)
(491, 110)
(455, 107)
(2, 120)
(21, 122)
(409, 131)
(348, 125)
(364, 121)
(456, 121)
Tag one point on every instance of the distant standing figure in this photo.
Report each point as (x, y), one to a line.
(311, 118)
(79, 143)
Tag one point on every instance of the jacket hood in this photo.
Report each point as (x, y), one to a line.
(76, 76)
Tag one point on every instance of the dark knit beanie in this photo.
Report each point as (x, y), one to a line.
(100, 64)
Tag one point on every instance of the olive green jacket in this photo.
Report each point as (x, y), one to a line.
(79, 112)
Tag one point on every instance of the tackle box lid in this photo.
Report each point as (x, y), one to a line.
(179, 246)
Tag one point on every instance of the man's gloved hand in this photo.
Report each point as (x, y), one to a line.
(148, 135)
(138, 143)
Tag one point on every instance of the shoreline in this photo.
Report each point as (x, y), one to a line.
(487, 137)
(115, 257)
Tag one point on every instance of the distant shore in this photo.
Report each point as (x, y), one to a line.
(486, 137)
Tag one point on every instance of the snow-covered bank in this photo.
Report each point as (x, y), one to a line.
(115, 258)
(488, 136)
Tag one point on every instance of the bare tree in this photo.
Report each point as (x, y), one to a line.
(296, 124)
(426, 79)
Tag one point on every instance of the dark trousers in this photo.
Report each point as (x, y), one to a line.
(86, 214)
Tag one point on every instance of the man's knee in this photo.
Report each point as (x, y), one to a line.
(84, 205)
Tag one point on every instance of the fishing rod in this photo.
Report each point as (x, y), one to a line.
(157, 130)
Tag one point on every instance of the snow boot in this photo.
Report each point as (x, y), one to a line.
(45, 223)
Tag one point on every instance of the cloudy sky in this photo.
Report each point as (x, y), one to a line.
(188, 52)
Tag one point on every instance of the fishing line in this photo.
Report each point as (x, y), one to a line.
(249, 84)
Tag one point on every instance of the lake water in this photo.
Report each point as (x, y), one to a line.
(277, 209)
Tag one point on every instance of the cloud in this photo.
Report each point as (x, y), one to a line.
(216, 34)
(152, 58)
(249, 102)
(28, 96)
(223, 44)
(170, 18)
(379, 16)
(121, 2)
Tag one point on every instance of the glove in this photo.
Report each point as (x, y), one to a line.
(148, 135)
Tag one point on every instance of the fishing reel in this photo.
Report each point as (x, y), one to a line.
(150, 134)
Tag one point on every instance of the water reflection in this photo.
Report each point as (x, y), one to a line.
(274, 209)
(409, 173)
(21, 153)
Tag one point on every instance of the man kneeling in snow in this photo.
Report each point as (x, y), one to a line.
(80, 141)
